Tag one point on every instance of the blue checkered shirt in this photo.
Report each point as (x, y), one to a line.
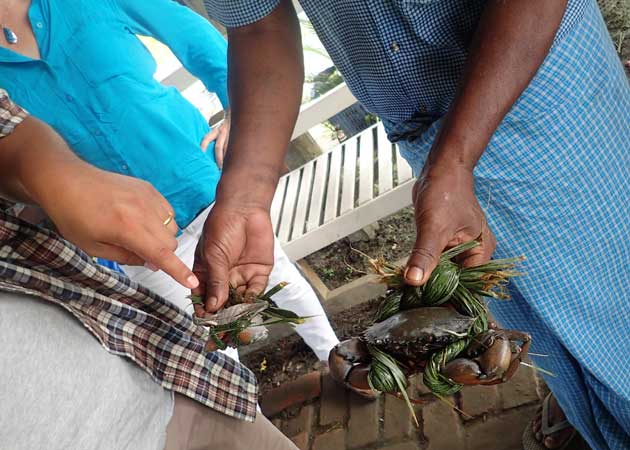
(400, 58)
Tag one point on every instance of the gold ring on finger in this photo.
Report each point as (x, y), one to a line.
(168, 220)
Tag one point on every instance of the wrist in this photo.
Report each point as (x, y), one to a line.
(253, 186)
(49, 181)
(439, 165)
(454, 153)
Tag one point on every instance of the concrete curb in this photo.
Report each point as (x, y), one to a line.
(293, 393)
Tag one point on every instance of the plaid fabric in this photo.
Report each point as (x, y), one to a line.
(10, 114)
(126, 318)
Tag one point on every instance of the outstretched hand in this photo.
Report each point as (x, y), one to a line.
(105, 214)
(236, 250)
(119, 218)
(447, 214)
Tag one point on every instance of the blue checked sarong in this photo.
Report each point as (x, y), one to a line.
(555, 184)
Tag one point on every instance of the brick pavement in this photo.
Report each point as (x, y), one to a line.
(494, 418)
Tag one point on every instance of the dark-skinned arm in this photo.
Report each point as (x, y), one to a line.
(266, 74)
(108, 215)
(511, 42)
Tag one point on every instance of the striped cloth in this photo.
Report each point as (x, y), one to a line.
(127, 319)
(10, 114)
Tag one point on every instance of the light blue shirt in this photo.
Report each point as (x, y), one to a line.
(94, 84)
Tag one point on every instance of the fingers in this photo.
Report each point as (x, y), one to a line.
(159, 243)
(221, 147)
(425, 256)
(219, 155)
(478, 256)
(249, 280)
(158, 213)
(481, 254)
(118, 254)
(157, 246)
(169, 224)
(212, 267)
(216, 286)
(174, 266)
(209, 137)
(236, 248)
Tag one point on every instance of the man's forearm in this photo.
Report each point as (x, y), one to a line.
(29, 157)
(266, 75)
(511, 42)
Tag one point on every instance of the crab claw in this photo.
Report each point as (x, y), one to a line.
(493, 358)
(496, 360)
(349, 363)
(463, 371)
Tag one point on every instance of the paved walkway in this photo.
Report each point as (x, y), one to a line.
(337, 420)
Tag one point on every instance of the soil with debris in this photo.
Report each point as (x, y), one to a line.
(617, 17)
(289, 358)
(339, 263)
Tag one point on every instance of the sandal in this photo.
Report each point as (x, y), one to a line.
(574, 442)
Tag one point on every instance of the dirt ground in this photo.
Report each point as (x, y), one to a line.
(339, 263)
(617, 16)
(289, 358)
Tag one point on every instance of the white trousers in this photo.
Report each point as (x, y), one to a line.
(298, 296)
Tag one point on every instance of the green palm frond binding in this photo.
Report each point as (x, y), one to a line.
(449, 285)
(242, 312)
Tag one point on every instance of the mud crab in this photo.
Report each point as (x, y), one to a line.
(412, 336)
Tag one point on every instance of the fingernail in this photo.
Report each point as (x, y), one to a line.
(212, 302)
(414, 273)
(192, 281)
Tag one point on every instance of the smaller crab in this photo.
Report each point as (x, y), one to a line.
(243, 319)
(492, 358)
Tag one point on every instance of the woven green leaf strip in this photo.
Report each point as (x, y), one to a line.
(463, 288)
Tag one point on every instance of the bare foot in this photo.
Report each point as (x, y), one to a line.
(556, 415)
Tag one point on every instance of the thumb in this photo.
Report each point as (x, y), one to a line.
(212, 268)
(425, 256)
(117, 254)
